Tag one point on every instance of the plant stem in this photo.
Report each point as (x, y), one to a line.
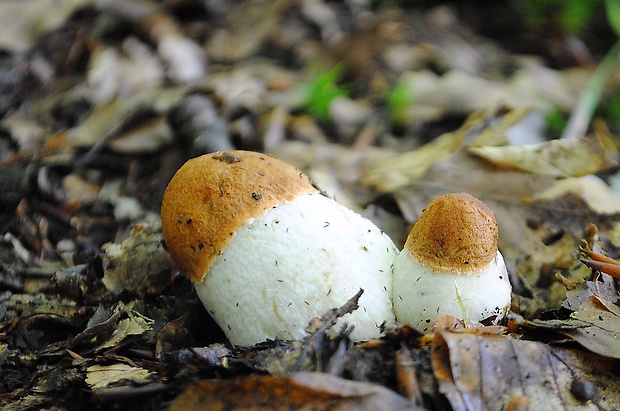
(588, 101)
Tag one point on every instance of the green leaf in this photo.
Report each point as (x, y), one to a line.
(613, 14)
(323, 90)
(398, 100)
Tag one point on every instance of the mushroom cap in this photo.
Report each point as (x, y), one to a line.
(210, 197)
(421, 295)
(456, 233)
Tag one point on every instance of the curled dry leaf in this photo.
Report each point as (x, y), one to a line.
(555, 158)
(184, 58)
(480, 127)
(120, 73)
(411, 166)
(303, 390)
(133, 125)
(459, 92)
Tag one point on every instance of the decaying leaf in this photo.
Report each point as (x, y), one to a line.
(601, 330)
(104, 376)
(595, 324)
(113, 73)
(556, 158)
(507, 129)
(298, 391)
(139, 265)
(135, 324)
(484, 372)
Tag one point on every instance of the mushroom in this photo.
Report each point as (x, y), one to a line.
(451, 265)
(268, 252)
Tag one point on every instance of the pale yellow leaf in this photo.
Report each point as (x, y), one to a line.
(103, 376)
(135, 324)
(555, 158)
(485, 126)
(408, 167)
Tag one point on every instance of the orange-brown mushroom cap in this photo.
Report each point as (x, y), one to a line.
(210, 197)
(455, 233)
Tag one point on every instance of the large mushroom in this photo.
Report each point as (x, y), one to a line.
(268, 252)
(451, 265)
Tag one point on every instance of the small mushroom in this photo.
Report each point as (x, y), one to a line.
(268, 252)
(450, 265)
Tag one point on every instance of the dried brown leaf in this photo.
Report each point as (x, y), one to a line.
(478, 372)
(597, 327)
(299, 391)
(409, 167)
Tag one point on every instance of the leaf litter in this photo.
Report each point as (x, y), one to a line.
(106, 111)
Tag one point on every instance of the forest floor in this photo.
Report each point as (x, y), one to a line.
(385, 105)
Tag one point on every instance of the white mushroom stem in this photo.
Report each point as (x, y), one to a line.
(295, 262)
(422, 295)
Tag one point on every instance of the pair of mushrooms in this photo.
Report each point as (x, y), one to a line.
(268, 252)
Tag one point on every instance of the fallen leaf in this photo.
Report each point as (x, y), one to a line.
(488, 372)
(298, 391)
(597, 194)
(408, 167)
(601, 330)
(135, 324)
(104, 376)
(140, 264)
(555, 158)
(250, 24)
(130, 125)
(480, 127)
